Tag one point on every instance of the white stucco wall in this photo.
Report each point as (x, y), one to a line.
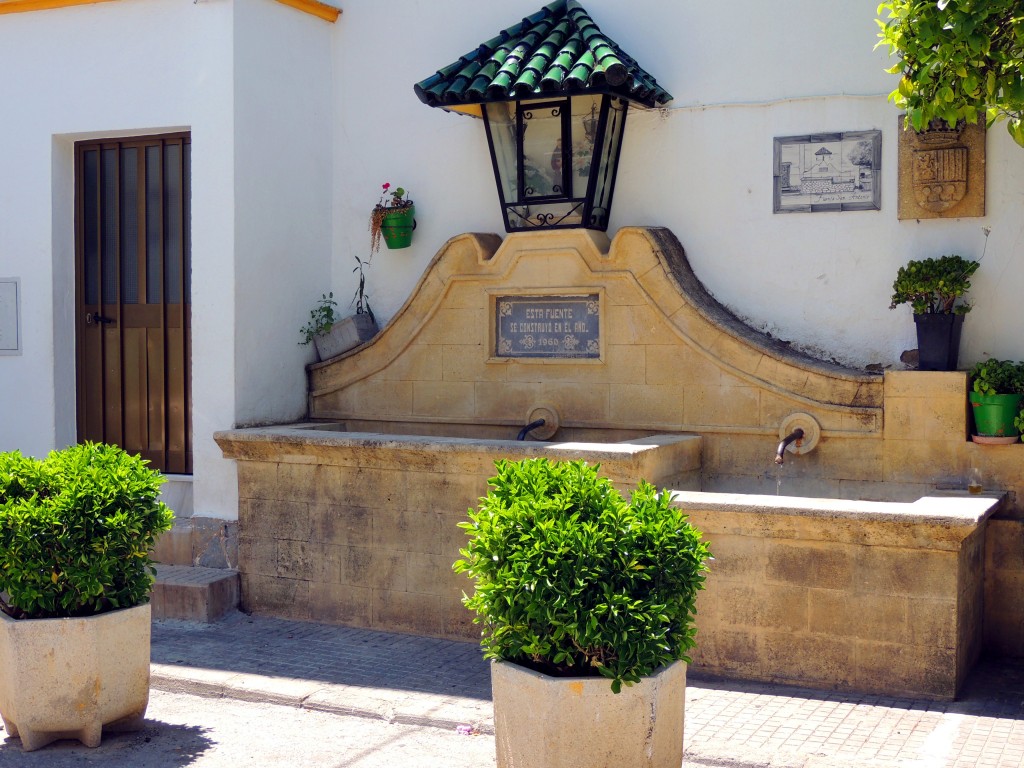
(283, 200)
(251, 81)
(741, 72)
(114, 69)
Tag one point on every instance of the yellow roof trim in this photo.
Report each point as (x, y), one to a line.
(23, 6)
(473, 110)
(315, 8)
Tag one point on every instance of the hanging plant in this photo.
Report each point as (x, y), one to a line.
(392, 218)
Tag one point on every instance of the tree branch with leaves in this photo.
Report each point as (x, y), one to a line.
(959, 60)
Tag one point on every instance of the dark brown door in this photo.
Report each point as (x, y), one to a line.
(132, 256)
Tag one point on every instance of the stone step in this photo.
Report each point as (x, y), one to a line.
(193, 593)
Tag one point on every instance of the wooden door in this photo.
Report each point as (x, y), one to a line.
(132, 244)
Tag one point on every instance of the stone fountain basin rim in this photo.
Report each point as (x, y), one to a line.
(947, 509)
(232, 442)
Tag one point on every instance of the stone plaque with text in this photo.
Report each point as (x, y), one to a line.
(547, 326)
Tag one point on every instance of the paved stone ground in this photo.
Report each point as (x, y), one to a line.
(406, 682)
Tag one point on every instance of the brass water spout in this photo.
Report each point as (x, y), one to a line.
(795, 436)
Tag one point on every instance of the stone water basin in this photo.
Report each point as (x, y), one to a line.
(360, 528)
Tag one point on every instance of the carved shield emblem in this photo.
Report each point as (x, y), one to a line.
(940, 177)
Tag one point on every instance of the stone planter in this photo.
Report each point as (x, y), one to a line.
(344, 335)
(71, 678)
(577, 722)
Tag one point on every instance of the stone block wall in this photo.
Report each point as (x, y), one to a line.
(356, 545)
(855, 597)
(1004, 587)
(363, 530)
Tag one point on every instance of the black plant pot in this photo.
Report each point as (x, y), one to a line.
(938, 341)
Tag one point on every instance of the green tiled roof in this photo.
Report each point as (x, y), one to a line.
(555, 52)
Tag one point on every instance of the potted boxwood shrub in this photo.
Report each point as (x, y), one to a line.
(587, 607)
(332, 334)
(935, 290)
(996, 391)
(393, 218)
(76, 530)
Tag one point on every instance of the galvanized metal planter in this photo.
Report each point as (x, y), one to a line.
(345, 335)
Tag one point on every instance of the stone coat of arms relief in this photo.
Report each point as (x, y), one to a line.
(942, 172)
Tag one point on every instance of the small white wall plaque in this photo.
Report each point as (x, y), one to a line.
(10, 330)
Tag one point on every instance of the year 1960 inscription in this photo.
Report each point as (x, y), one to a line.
(547, 326)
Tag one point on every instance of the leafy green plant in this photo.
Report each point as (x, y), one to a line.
(572, 580)
(321, 318)
(959, 60)
(998, 377)
(76, 529)
(934, 285)
(361, 301)
(1018, 421)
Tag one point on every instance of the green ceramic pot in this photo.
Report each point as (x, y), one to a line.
(397, 227)
(994, 414)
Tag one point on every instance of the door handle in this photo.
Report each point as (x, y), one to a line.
(96, 317)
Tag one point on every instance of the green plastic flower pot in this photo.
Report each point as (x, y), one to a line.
(397, 227)
(993, 414)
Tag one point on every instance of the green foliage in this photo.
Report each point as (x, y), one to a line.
(572, 580)
(321, 318)
(75, 531)
(998, 377)
(361, 301)
(959, 60)
(934, 285)
(1018, 421)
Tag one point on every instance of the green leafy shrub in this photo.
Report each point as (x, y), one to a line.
(998, 377)
(959, 60)
(1018, 421)
(934, 285)
(572, 580)
(76, 529)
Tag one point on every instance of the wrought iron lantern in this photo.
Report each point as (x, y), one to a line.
(553, 92)
(555, 159)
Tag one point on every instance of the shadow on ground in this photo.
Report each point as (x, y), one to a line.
(157, 745)
(332, 654)
(994, 688)
(341, 655)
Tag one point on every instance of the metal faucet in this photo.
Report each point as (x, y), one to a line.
(795, 436)
(538, 423)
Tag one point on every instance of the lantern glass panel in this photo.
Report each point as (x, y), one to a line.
(501, 129)
(586, 112)
(543, 175)
(608, 163)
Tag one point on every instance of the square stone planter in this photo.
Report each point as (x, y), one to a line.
(577, 722)
(344, 335)
(71, 678)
